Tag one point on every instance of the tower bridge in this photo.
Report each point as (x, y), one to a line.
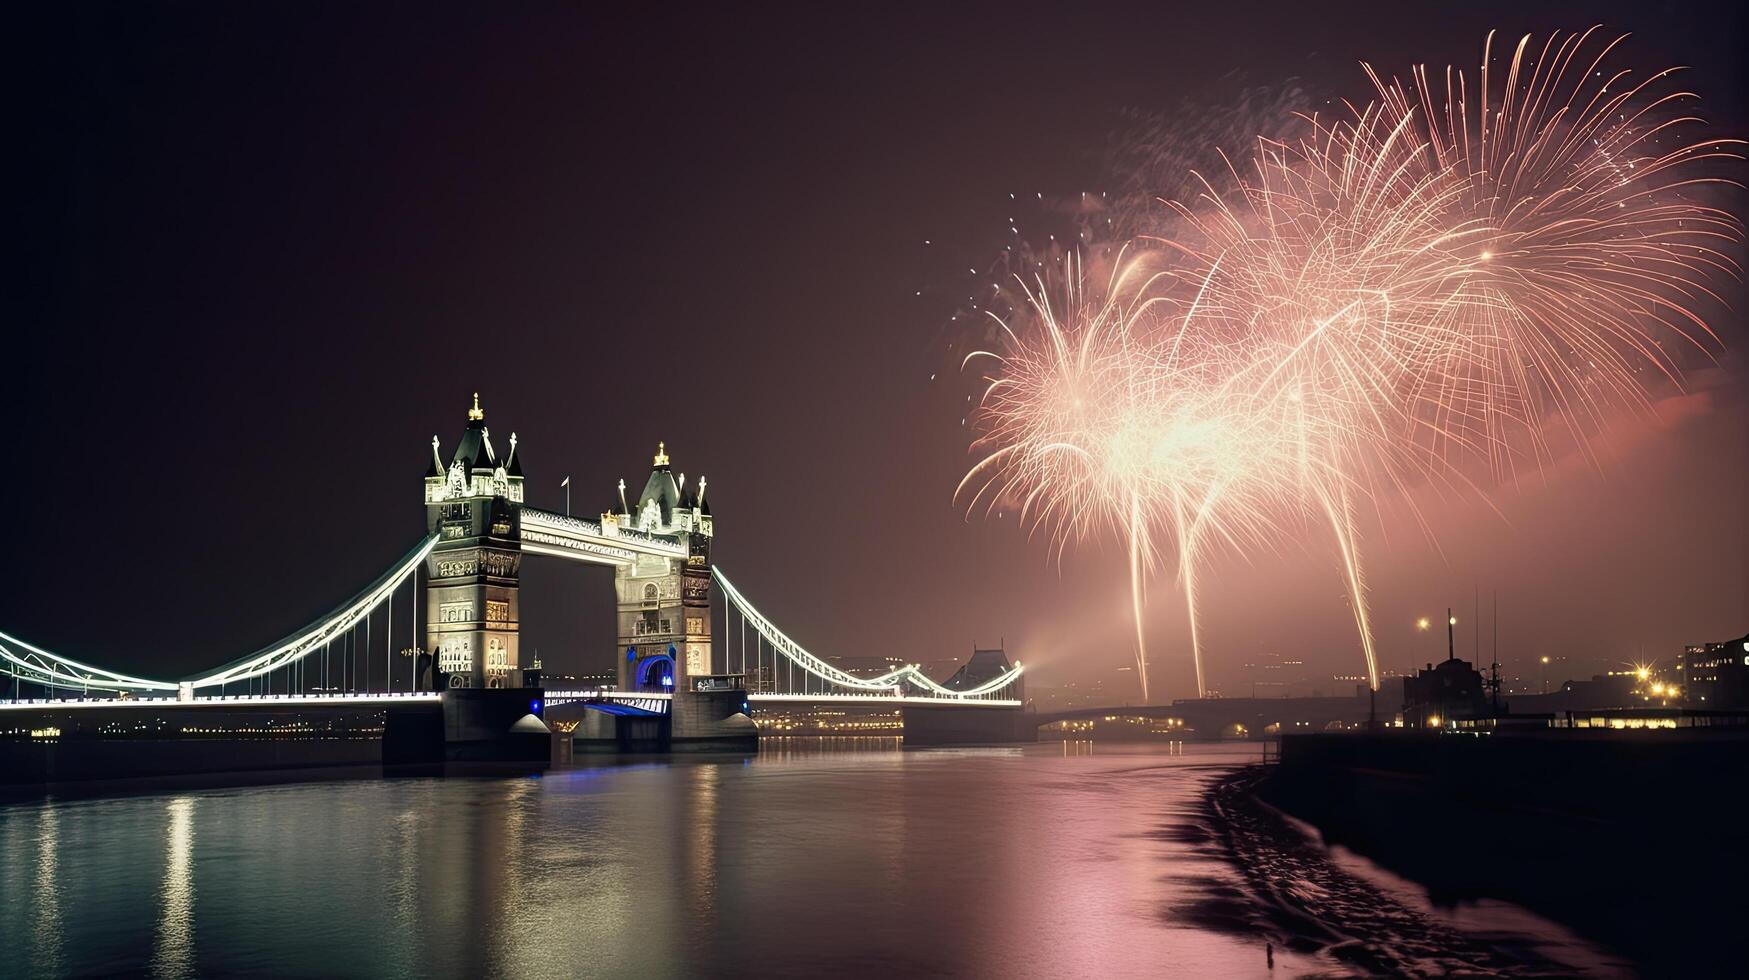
(678, 675)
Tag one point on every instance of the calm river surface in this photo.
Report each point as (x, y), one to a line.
(813, 859)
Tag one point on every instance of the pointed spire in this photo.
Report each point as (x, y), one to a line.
(475, 414)
(661, 454)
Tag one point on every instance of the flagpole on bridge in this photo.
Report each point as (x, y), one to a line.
(567, 485)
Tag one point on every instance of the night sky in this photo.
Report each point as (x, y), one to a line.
(268, 250)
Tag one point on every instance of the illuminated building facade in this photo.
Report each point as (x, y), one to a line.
(664, 600)
(1716, 675)
(981, 669)
(471, 606)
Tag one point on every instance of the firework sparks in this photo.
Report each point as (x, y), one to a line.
(1445, 277)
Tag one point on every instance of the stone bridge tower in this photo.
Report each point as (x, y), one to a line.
(471, 607)
(664, 603)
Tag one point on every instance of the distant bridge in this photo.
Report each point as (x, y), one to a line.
(1213, 716)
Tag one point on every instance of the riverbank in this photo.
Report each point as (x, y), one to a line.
(1311, 905)
(1632, 842)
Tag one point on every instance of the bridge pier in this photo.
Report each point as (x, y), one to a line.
(960, 725)
(713, 721)
(696, 721)
(500, 725)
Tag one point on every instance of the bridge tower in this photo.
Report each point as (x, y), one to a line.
(471, 606)
(664, 603)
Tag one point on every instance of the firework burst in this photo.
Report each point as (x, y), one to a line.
(1446, 276)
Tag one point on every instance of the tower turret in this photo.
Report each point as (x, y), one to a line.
(472, 608)
(665, 614)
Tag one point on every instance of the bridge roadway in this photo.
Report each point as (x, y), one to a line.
(60, 739)
(1255, 713)
(555, 697)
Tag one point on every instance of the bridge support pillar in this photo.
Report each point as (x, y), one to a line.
(958, 725)
(495, 725)
(713, 721)
(502, 725)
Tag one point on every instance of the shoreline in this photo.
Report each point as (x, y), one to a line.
(1309, 903)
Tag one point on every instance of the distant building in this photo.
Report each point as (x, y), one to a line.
(1615, 689)
(760, 679)
(590, 680)
(1716, 675)
(1441, 694)
(985, 666)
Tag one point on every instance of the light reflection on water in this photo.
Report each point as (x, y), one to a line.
(818, 856)
(173, 955)
(45, 931)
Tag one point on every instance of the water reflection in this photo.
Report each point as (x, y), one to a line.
(45, 934)
(782, 748)
(816, 857)
(504, 876)
(173, 951)
(404, 939)
(700, 814)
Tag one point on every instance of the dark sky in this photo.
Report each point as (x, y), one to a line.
(269, 249)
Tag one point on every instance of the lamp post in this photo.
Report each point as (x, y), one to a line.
(1543, 673)
(1425, 625)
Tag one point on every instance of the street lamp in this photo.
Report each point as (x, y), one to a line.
(1543, 673)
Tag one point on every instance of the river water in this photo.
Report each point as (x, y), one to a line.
(816, 858)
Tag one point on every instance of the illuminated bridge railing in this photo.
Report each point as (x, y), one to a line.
(658, 703)
(285, 663)
(221, 701)
(777, 667)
